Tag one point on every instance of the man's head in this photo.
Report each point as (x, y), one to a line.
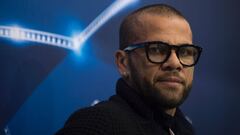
(149, 58)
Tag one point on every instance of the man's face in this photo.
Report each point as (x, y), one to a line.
(166, 84)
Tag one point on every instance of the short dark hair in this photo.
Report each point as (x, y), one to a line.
(127, 32)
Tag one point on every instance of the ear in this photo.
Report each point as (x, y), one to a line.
(121, 61)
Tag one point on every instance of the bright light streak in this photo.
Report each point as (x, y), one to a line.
(15, 33)
(73, 43)
(18, 33)
(113, 9)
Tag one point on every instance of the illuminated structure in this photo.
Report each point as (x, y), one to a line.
(36, 36)
(73, 43)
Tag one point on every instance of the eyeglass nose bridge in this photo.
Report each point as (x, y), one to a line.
(169, 52)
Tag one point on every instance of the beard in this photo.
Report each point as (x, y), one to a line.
(156, 95)
(166, 98)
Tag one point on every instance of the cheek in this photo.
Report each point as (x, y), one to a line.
(146, 69)
(150, 73)
(143, 69)
(189, 75)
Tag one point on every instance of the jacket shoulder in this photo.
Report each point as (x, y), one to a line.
(88, 121)
(104, 118)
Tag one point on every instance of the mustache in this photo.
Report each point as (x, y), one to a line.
(170, 76)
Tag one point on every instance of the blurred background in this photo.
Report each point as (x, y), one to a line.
(41, 85)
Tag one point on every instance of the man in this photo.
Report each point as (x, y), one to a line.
(155, 59)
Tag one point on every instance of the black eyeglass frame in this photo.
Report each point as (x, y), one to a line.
(146, 45)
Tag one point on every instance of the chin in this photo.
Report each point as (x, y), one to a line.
(169, 98)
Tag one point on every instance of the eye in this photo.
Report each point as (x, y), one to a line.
(187, 51)
(157, 49)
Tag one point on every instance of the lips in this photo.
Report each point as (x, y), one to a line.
(171, 80)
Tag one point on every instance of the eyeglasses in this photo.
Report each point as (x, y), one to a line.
(158, 52)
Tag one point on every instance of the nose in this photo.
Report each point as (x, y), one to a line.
(172, 63)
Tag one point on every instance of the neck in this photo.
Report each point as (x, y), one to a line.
(170, 112)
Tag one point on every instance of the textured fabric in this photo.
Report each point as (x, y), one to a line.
(125, 114)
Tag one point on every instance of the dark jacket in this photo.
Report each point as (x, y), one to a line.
(124, 114)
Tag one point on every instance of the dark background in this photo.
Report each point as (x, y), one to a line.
(40, 86)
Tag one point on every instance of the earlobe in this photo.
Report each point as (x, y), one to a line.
(125, 75)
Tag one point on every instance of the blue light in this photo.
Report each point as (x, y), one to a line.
(74, 43)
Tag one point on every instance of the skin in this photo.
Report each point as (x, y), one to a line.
(165, 85)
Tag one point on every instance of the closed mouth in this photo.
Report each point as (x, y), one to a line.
(171, 79)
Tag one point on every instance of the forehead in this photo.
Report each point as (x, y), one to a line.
(170, 29)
